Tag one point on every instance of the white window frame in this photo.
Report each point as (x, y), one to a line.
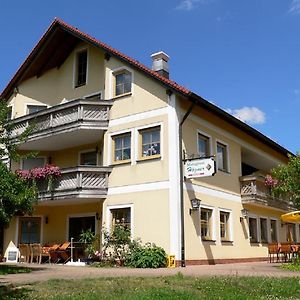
(112, 81)
(22, 161)
(268, 230)
(110, 156)
(277, 229)
(257, 228)
(213, 223)
(12, 110)
(80, 215)
(230, 224)
(228, 171)
(75, 65)
(87, 151)
(33, 104)
(109, 208)
(138, 151)
(209, 137)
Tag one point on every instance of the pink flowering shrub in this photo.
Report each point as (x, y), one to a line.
(270, 181)
(40, 173)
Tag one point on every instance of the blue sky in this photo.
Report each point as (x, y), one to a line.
(244, 56)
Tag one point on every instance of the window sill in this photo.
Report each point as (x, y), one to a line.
(146, 158)
(79, 85)
(122, 95)
(121, 162)
(224, 171)
(226, 242)
(208, 240)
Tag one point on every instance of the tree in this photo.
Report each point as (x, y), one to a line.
(17, 196)
(285, 180)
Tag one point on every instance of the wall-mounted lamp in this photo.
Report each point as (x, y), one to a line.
(195, 204)
(97, 216)
(46, 220)
(244, 213)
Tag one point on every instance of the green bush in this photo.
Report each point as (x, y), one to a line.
(148, 256)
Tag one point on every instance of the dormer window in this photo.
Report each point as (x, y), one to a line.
(81, 68)
(123, 83)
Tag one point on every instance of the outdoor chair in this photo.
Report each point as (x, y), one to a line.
(53, 253)
(64, 252)
(285, 251)
(273, 250)
(36, 253)
(24, 253)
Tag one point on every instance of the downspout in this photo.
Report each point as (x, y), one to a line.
(181, 184)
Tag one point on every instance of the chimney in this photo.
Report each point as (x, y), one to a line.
(160, 63)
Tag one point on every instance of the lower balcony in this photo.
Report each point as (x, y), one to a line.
(255, 192)
(82, 182)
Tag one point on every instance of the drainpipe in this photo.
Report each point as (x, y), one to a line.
(181, 184)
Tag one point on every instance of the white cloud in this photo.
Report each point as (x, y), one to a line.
(295, 7)
(189, 5)
(251, 115)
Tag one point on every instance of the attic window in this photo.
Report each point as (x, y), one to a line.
(122, 83)
(81, 68)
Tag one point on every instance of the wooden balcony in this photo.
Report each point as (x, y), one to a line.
(82, 182)
(80, 121)
(255, 192)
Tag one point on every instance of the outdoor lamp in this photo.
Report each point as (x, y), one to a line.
(195, 204)
(244, 213)
(97, 216)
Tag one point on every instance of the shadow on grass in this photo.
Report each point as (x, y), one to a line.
(14, 269)
(8, 292)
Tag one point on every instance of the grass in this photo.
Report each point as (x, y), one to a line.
(12, 269)
(172, 287)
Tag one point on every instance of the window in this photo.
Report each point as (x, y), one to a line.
(9, 113)
(81, 68)
(121, 216)
(263, 230)
(253, 230)
(35, 108)
(122, 148)
(88, 158)
(150, 141)
(79, 224)
(224, 226)
(222, 157)
(30, 163)
(274, 231)
(206, 216)
(291, 232)
(123, 83)
(29, 230)
(203, 145)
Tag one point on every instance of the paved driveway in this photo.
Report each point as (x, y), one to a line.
(46, 272)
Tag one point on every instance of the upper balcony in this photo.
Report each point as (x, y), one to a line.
(77, 122)
(255, 192)
(82, 182)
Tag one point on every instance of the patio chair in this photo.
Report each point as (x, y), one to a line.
(36, 253)
(53, 253)
(24, 253)
(64, 252)
(273, 250)
(285, 251)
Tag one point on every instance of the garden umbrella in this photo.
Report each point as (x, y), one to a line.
(293, 217)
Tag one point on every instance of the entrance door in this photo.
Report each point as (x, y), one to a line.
(79, 224)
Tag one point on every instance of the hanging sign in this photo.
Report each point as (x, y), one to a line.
(200, 167)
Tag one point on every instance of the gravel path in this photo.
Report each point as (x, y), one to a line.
(45, 272)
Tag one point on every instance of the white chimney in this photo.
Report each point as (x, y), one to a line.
(160, 63)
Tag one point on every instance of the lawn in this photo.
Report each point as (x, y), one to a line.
(172, 287)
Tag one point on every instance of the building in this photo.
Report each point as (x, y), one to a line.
(114, 127)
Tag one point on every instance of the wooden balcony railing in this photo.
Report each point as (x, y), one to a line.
(254, 191)
(77, 182)
(87, 113)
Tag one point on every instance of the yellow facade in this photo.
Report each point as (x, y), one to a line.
(148, 185)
